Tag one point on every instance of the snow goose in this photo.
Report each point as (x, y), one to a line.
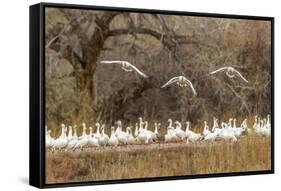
(268, 124)
(239, 130)
(206, 130)
(230, 72)
(172, 130)
(211, 136)
(93, 141)
(72, 143)
(264, 130)
(168, 137)
(142, 136)
(120, 134)
(190, 134)
(83, 140)
(69, 136)
(97, 134)
(150, 136)
(255, 125)
(113, 141)
(61, 142)
(179, 132)
(131, 138)
(103, 140)
(227, 133)
(75, 132)
(126, 66)
(215, 125)
(258, 127)
(49, 140)
(181, 81)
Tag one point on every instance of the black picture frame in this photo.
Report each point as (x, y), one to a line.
(37, 94)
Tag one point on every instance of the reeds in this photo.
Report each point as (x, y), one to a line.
(251, 153)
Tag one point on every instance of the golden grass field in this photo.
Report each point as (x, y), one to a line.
(250, 153)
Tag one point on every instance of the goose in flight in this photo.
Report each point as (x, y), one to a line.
(126, 66)
(181, 81)
(230, 72)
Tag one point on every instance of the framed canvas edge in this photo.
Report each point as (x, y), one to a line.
(41, 139)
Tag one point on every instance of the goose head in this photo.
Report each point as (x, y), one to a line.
(230, 72)
(49, 132)
(206, 125)
(102, 129)
(181, 79)
(128, 130)
(119, 124)
(98, 127)
(268, 118)
(170, 122)
(178, 124)
(62, 126)
(126, 66)
(256, 119)
(112, 130)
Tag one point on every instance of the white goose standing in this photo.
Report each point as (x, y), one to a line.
(83, 140)
(191, 135)
(120, 134)
(49, 139)
(103, 140)
(206, 130)
(113, 141)
(179, 132)
(93, 141)
(61, 142)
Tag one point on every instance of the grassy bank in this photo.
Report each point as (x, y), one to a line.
(251, 153)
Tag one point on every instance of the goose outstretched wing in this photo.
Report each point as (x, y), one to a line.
(218, 70)
(137, 70)
(191, 86)
(172, 80)
(110, 62)
(240, 75)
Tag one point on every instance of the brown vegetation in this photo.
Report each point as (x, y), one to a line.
(251, 153)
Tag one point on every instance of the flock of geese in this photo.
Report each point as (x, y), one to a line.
(180, 81)
(228, 131)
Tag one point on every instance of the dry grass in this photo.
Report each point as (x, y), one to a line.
(251, 153)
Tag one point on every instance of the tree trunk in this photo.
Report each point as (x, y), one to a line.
(91, 51)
